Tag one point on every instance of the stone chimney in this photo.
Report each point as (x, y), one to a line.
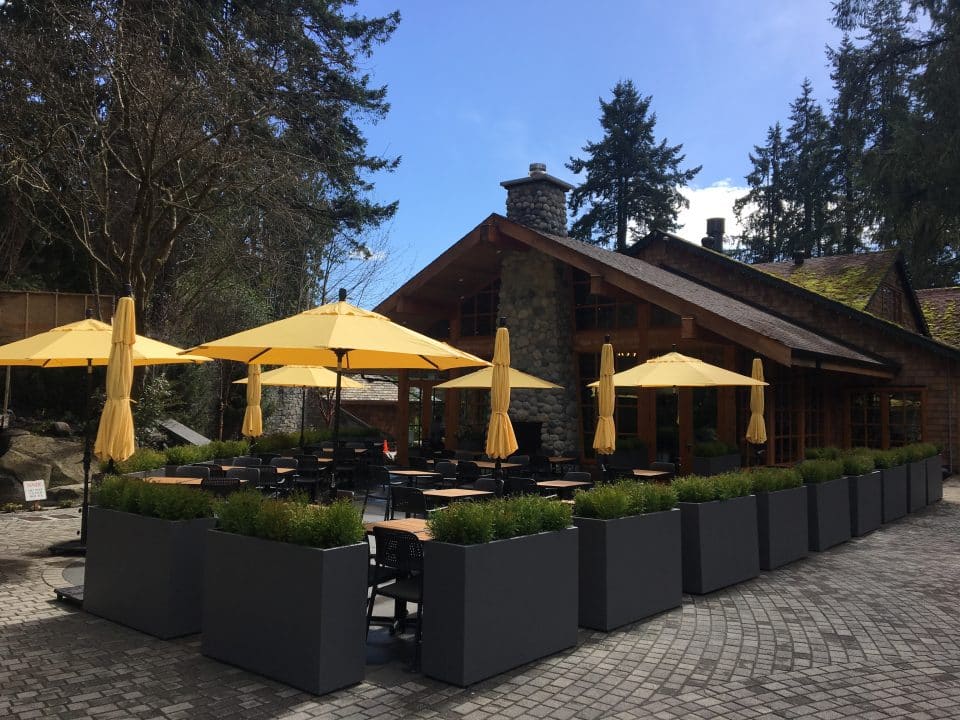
(538, 201)
(714, 237)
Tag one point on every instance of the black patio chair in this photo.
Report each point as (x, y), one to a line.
(250, 474)
(402, 553)
(375, 485)
(448, 473)
(193, 471)
(666, 467)
(407, 500)
(246, 461)
(540, 467)
(514, 485)
(490, 484)
(220, 486)
(468, 472)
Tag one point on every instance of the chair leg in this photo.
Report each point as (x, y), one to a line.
(373, 597)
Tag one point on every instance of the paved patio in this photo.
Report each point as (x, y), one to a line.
(870, 629)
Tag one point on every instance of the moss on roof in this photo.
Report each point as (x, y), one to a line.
(941, 308)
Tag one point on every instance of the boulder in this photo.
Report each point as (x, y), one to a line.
(56, 461)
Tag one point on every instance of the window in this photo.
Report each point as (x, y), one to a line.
(625, 405)
(905, 421)
(596, 312)
(786, 428)
(478, 314)
(865, 426)
(886, 417)
(814, 421)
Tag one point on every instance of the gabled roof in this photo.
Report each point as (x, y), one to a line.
(850, 279)
(941, 308)
(741, 322)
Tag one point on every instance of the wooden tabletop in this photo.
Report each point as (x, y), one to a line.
(168, 480)
(491, 465)
(414, 473)
(651, 474)
(417, 526)
(561, 484)
(560, 459)
(454, 493)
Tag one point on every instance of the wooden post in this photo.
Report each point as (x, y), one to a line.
(685, 432)
(402, 431)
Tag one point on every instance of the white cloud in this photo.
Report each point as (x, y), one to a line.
(715, 200)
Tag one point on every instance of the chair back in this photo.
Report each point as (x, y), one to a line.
(490, 484)
(221, 486)
(378, 475)
(418, 463)
(398, 549)
(666, 466)
(408, 500)
(447, 470)
(468, 471)
(250, 474)
(519, 459)
(520, 486)
(193, 471)
(246, 461)
(540, 465)
(577, 475)
(284, 462)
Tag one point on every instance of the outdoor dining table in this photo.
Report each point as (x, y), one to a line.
(417, 526)
(280, 470)
(452, 494)
(558, 462)
(652, 474)
(565, 487)
(170, 480)
(415, 475)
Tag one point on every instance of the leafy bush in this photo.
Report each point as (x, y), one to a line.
(818, 471)
(771, 479)
(480, 522)
(714, 448)
(10, 507)
(623, 499)
(695, 488)
(824, 453)
(732, 485)
(184, 454)
(857, 462)
(168, 502)
(249, 513)
(885, 459)
(142, 459)
(929, 450)
(917, 451)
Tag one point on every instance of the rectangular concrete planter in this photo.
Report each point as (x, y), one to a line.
(144, 572)
(715, 465)
(290, 612)
(629, 568)
(916, 485)
(782, 526)
(934, 479)
(720, 545)
(866, 502)
(491, 607)
(894, 492)
(828, 513)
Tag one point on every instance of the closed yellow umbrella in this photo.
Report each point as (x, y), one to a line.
(482, 379)
(115, 434)
(605, 438)
(253, 416)
(501, 440)
(757, 429)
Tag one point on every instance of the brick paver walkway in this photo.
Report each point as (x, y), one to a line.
(866, 630)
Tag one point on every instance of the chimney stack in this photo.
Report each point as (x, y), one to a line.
(714, 237)
(798, 257)
(538, 201)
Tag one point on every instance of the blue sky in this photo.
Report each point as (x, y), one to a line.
(479, 90)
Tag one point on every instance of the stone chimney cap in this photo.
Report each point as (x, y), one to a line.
(538, 173)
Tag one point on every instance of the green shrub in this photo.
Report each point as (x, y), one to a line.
(657, 497)
(623, 499)
(248, 513)
(695, 488)
(732, 485)
(885, 459)
(824, 453)
(818, 471)
(142, 459)
(929, 450)
(238, 512)
(857, 462)
(184, 454)
(10, 507)
(771, 479)
(714, 448)
(917, 451)
(273, 521)
(168, 502)
(473, 523)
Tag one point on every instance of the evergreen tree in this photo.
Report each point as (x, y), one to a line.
(762, 211)
(633, 182)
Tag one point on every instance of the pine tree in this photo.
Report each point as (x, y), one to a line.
(633, 182)
(762, 211)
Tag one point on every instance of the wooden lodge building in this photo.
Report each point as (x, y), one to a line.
(845, 345)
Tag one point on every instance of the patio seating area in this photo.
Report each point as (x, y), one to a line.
(866, 629)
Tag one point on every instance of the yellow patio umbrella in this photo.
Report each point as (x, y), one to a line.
(253, 415)
(302, 376)
(115, 434)
(605, 437)
(757, 429)
(501, 440)
(342, 335)
(676, 370)
(482, 379)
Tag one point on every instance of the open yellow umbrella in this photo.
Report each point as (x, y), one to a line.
(757, 429)
(253, 416)
(115, 434)
(605, 438)
(676, 370)
(501, 440)
(482, 379)
(302, 376)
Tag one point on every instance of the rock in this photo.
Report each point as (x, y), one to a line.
(61, 429)
(56, 461)
(70, 492)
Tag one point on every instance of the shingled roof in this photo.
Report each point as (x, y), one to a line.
(941, 308)
(849, 279)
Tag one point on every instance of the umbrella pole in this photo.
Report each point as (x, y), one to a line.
(303, 411)
(336, 422)
(86, 456)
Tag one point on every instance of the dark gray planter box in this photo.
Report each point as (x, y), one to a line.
(144, 572)
(720, 545)
(866, 502)
(828, 513)
(782, 526)
(916, 485)
(629, 568)
(495, 606)
(293, 613)
(715, 465)
(934, 479)
(894, 492)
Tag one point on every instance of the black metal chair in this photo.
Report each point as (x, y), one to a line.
(666, 467)
(284, 461)
(408, 500)
(468, 472)
(448, 473)
(193, 471)
(400, 553)
(490, 484)
(265, 458)
(344, 466)
(250, 474)
(514, 485)
(220, 486)
(578, 475)
(216, 468)
(376, 485)
(246, 461)
(540, 467)
(418, 463)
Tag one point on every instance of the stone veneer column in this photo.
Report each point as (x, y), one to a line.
(538, 305)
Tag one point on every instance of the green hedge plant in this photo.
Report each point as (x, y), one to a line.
(623, 499)
(471, 523)
(249, 513)
(142, 459)
(818, 471)
(772, 479)
(714, 448)
(822, 453)
(726, 486)
(167, 502)
(857, 462)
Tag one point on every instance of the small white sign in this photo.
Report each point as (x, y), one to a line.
(34, 491)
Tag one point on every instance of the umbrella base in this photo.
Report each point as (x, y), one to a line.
(70, 547)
